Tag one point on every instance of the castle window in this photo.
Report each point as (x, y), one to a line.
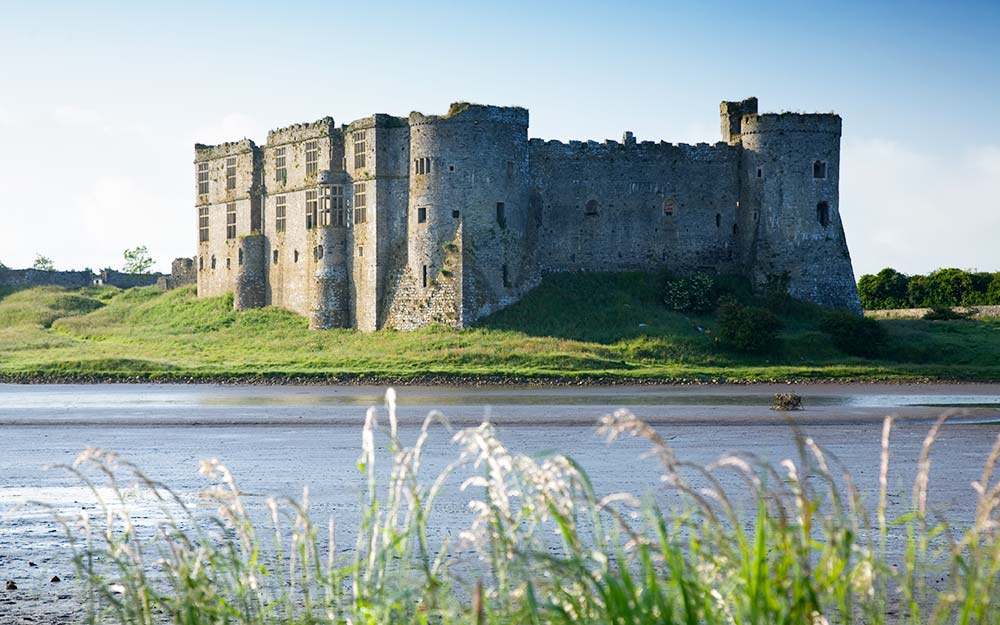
(229, 263)
(718, 220)
(455, 214)
(279, 213)
(669, 205)
(501, 215)
(421, 214)
(361, 250)
(230, 173)
(423, 278)
(202, 178)
(213, 261)
(760, 172)
(239, 257)
(201, 263)
(819, 170)
(736, 229)
(318, 252)
(360, 203)
(506, 277)
(359, 150)
(312, 212)
(590, 209)
(451, 168)
(422, 165)
(231, 220)
(280, 172)
(295, 256)
(203, 224)
(333, 206)
(823, 214)
(312, 157)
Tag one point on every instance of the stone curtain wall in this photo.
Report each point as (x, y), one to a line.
(634, 206)
(36, 277)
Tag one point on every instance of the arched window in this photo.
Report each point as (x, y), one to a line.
(823, 214)
(213, 262)
(590, 210)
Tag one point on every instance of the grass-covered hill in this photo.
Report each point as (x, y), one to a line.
(609, 327)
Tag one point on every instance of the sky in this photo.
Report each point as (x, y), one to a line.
(101, 102)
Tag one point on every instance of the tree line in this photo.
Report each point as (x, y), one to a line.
(944, 287)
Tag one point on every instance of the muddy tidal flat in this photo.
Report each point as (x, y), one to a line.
(278, 439)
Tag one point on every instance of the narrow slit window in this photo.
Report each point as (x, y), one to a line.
(239, 257)
(280, 171)
(361, 250)
(229, 262)
(421, 214)
(231, 220)
(501, 215)
(230, 173)
(213, 261)
(823, 214)
(279, 213)
(312, 157)
(295, 256)
(274, 256)
(318, 252)
(819, 170)
(718, 220)
(506, 277)
(202, 178)
(423, 276)
(760, 172)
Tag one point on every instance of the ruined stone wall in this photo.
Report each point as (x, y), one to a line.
(634, 206)
(37, 277)
(218, 257)
(183, 271)
(124, 280)
(794, 212)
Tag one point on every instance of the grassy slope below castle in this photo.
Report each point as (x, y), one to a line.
(575, 326)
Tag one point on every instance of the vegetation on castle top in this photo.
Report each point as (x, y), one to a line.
(583, 327)
(890, 289)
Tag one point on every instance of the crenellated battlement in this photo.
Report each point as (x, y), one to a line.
(378, 120)
(203, 152)
(638, 150)
(302, 132)
(791, 122)
(465, 112)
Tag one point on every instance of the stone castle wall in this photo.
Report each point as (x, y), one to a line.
(462, 214)
(634, 206)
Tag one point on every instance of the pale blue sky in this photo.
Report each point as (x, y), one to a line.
(100, 102)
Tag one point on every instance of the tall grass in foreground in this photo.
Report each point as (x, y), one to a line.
(792, 544)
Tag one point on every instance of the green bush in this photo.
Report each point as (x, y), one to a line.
(857, 336)
(694, 294)
(885, 290)
(776, 292)
(747, 328)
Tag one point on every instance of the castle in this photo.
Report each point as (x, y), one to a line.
(401, 222)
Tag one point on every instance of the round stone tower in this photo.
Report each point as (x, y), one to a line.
(331, 290)
(251, 265)
(469, 249)
(790, 206)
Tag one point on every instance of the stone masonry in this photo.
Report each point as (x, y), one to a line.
(401, 222)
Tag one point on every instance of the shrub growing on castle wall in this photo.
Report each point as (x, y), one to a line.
(856, 336)
(747, 328)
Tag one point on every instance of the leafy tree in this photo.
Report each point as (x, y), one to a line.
(993, 291)
(886, 289)
(948, 287)
(747, 328)
(138, 260)
(43, 263)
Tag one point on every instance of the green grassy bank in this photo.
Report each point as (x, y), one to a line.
(586, 327)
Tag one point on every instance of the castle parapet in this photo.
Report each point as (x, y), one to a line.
(464, 112)
(302, 132)
(204, 152)
(828, 123)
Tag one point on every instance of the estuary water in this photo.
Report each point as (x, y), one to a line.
(279, 439)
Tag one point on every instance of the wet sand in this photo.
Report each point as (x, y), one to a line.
(279, 439)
